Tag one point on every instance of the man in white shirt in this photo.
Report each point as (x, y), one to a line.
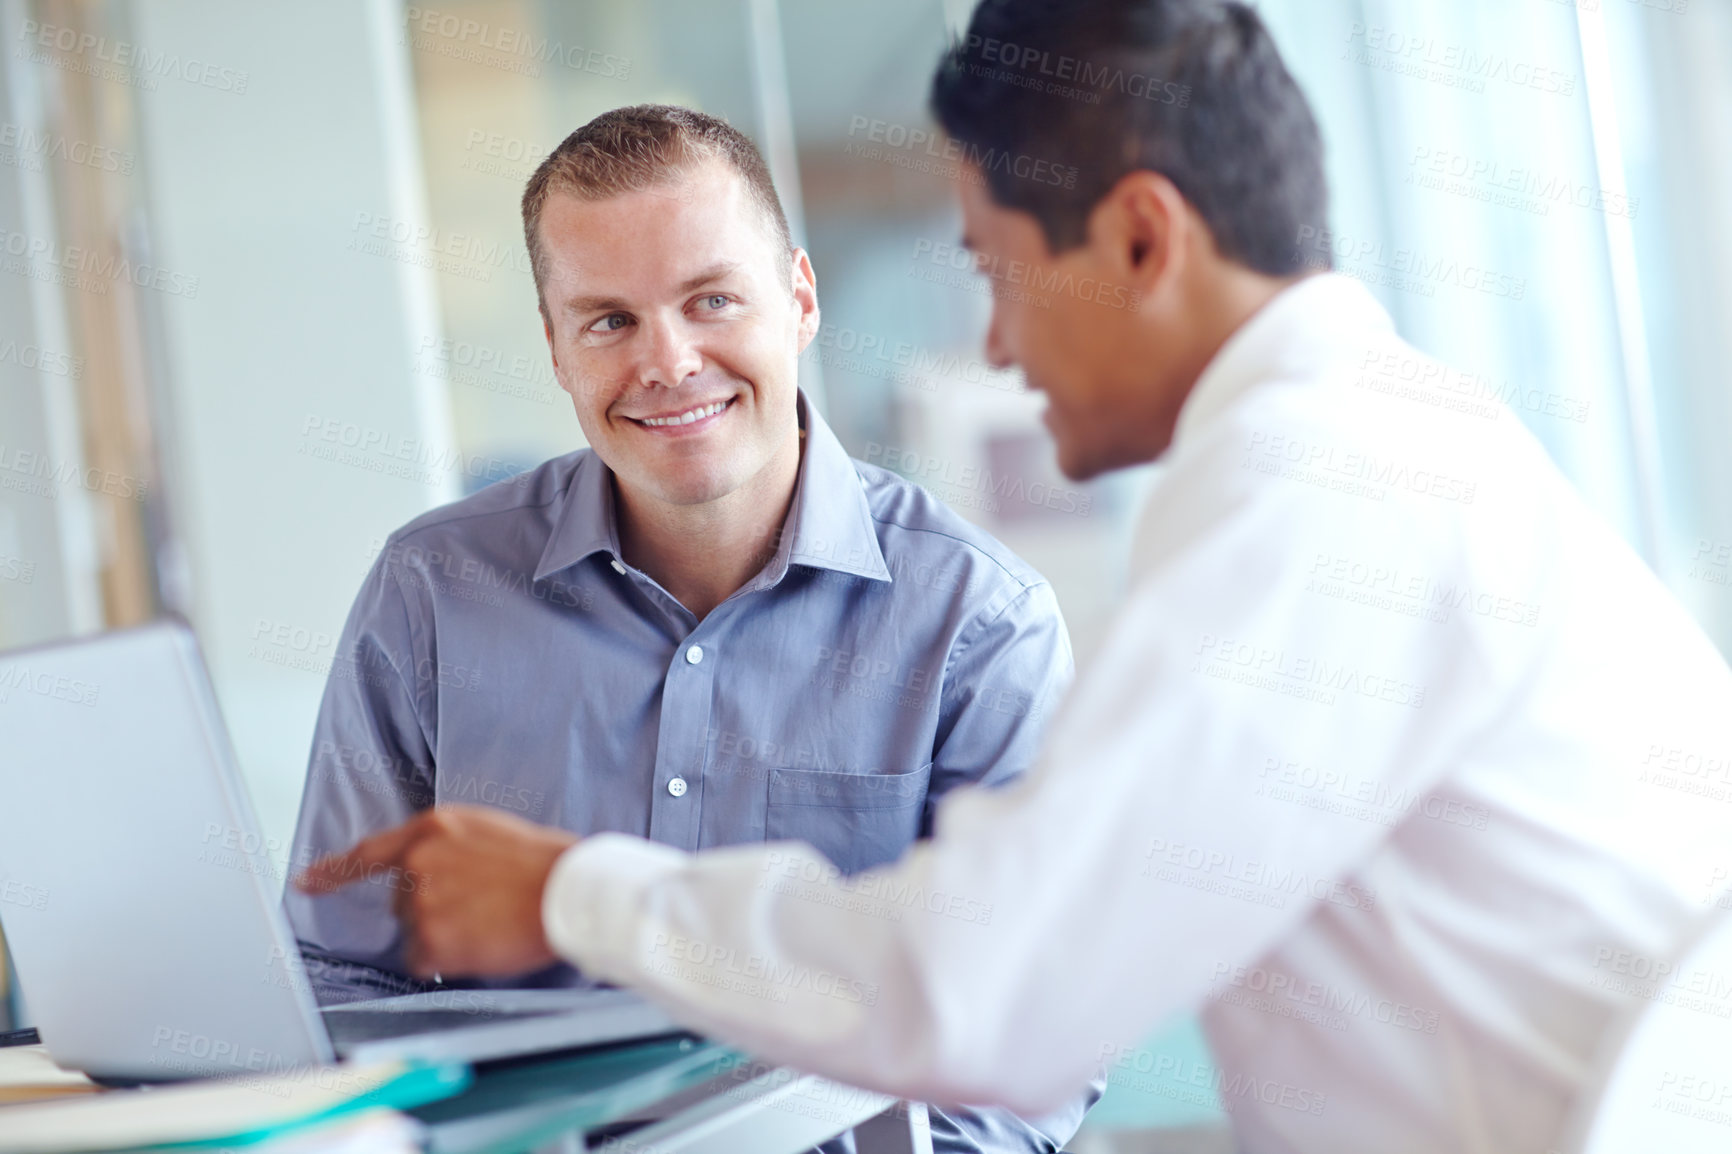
(1391, 764)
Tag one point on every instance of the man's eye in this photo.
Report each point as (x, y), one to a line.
(716, 300)
(608, 323)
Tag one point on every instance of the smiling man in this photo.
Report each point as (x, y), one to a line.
(710, 627)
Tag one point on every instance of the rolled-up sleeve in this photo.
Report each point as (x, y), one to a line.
(371, 768)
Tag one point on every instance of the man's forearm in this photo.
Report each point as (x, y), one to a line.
(832, 988)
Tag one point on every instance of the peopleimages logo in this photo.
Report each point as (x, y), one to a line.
(929, 470)
(1258, 882)
(24, 471)
(32, 250)
(943, 148)
(133, 58)
(1364, 258)
(1070, 76)
(1525, 189)
(690, 960)
(23, 679)
(1165, 1073)
(1037, 278)
(22, 140)
(872, 355)
(17, 893)
(1455, 65)
(41, 360)
(512, 49)
(1278, 987)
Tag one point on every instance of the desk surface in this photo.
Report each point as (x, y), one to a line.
(696, 1098)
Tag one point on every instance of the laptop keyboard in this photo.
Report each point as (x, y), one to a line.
(349, 1027)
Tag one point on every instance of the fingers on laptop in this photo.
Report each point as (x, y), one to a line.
(364, 859)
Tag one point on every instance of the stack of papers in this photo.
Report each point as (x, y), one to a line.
(376, 1131)
(28, 1073)
(352, 1108)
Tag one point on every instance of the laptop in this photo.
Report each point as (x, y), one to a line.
(142, 909)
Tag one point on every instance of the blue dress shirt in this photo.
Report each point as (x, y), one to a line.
(502, 652)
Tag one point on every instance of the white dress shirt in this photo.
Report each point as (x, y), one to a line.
(1399, 765)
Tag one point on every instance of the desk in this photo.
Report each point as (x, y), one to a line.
(669, 1097)
(672, 1096)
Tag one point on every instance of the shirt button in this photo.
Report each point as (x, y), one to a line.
(617, 567)
(677, 787)
(695, 654)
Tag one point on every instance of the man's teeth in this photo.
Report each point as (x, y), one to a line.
(687, 417)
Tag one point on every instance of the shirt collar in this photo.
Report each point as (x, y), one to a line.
(584, 523)
(831, 521)
(1308, 327)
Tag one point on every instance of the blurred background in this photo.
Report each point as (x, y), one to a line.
(264, 297)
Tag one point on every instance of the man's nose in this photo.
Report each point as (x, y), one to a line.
(670, 353)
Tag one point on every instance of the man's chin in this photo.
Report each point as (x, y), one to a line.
(1076, 460)
(694, 486)
(1080, 470)
(1081, 461)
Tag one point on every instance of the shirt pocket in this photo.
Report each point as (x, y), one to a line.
(857, 820)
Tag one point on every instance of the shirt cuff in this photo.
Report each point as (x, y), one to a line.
(591, 905)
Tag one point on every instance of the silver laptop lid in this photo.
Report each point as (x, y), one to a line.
(135, 890)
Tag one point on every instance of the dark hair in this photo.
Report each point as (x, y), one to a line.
(645, 146)
(1192, 89)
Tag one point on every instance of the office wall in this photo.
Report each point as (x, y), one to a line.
(48, 562)
(300, 430)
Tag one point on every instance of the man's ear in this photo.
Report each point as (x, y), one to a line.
(553, 353)
(1142, 226)
(804, 284)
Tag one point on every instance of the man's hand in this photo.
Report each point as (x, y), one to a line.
(469, 891)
